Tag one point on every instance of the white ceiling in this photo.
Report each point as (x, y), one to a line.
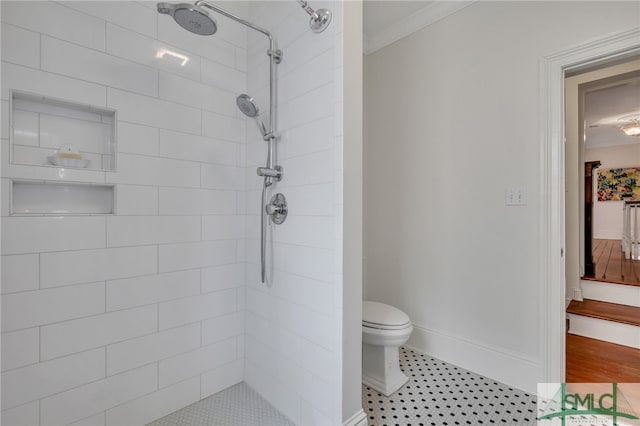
(607, 109)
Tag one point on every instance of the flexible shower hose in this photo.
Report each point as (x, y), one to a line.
(263, 227)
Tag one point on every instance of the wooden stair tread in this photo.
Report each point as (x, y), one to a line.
(606, 311)
(611, 281)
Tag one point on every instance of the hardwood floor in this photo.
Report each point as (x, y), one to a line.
(595, 361)
(611, 266)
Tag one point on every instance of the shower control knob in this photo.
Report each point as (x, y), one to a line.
(277, 209)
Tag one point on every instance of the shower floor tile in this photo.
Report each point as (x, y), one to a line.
(441, 394)
(238, 405)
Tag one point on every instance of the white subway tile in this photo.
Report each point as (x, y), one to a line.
(95, 420)
(47, 84)
(139, 230)
(158, 404)
(222, 177)
(154, 112)
(93, 398)
(223, 127)
(175, 257)
(20, 46)
(24, 415)
(39, 234)
(56, 20)
(96, 265)
(220, 378)
(131, 15)
(46, 378)
(312, 200)
(197, 148)
(143, 170)
(139, 291)
(222, 328)
(40, 307)
(309, 262)
(137, 200)
(144, 350)
(308, 138)
(311, 106)
(136, 139)
(224, 76)
(222, 277)
(190, 364)
(5, 208)
(309, 169)
(311, 75)
(220, 227)
(85, 333)
(20, 348)
(26, 128)
(198, 95)
(219, 202)
(180, 201)
(86, 64)
(196, 308)
(87, 136)
(144, 50)
(20, 273)
(312, 231)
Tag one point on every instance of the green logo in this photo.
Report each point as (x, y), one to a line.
(587, 404)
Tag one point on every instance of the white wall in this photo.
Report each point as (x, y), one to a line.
(450, 113)
(121, 319)
(294, 324)
(607, 215)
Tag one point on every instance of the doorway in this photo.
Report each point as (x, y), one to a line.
(600, 166)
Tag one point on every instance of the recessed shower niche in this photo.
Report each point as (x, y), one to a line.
(57, 133)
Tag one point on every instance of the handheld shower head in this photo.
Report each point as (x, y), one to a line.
(190, 17)
(248, 107)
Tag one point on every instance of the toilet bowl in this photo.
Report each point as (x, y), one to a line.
(384, 329)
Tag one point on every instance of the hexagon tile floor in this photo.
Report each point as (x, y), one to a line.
(238, 405)
(441, 394)
(437, 394)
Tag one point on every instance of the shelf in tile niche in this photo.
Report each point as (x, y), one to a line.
(43, 129)
(43, 198)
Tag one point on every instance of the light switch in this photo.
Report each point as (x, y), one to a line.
(516, 196)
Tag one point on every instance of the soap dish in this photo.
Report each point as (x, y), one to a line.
(68, 162)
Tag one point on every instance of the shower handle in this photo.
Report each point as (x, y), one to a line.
(277, 209)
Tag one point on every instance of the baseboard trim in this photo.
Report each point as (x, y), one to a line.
(513, 369)
(358, 419)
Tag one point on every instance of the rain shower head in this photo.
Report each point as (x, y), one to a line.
(190, 17)
(248, 107)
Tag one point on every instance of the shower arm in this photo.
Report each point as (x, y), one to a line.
(276, 57)
(307, 8)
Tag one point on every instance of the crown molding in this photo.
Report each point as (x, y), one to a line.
(432, 13)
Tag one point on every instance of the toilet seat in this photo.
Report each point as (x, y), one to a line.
(383, 317)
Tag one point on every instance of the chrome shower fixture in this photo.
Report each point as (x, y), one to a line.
(320, 19)
(190, 17)
(248, 107)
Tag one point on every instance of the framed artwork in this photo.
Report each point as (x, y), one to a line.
(613, 184)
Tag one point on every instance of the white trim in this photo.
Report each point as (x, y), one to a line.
(358, 419)
(488, 360)
(552, 208)
(430, 14)
(607, 331)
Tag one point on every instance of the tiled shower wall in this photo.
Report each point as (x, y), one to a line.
(120, 319)
(293, 351)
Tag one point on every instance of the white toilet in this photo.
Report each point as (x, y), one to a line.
(384, 330)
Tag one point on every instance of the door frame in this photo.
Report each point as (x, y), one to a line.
(552, 187)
